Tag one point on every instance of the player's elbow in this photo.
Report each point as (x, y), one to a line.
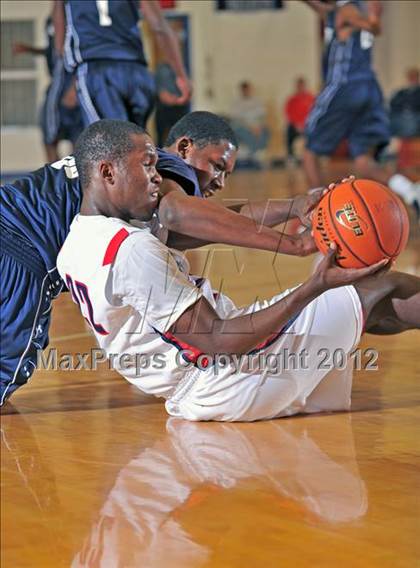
(171, 213)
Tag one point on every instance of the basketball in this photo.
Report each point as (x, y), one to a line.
(365, 219)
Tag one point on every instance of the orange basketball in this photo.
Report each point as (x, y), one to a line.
(365, 219)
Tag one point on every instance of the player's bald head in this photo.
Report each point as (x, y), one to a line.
(105, 140)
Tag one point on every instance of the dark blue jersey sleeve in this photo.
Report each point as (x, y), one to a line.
(171, 166)
(41, 206)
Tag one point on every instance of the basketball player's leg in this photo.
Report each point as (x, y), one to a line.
(100, 90)
(369, 134)
(141, 95)
(391, 302)
(327, 125)
(50, 124)
(26, 301)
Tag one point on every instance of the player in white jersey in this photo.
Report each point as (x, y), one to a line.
(141, 301)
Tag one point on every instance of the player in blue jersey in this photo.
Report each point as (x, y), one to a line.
(102, 41)
(60, 115)
(36, 212)
(351, 105)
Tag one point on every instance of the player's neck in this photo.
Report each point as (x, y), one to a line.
(94, 204)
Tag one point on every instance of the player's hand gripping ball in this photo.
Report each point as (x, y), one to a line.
(365, 219)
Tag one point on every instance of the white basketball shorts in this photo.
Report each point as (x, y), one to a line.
(307, 368)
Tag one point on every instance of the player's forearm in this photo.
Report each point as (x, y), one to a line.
(349, 15)
(59, 22)
(321, 8)
(169, 45)
(242, 334)
(25, 48)
(164, 35)
(210, 222)
(184, 242)
(233, 333)
(269, 212)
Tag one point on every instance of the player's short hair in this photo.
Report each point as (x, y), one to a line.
(103, 140)
(203, 128)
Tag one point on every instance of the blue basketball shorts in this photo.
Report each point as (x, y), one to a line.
(123, 90)
(352, 111)
(57, 121)
(26, 293)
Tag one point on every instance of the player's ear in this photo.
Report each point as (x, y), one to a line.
(107, 173)
(183, 146)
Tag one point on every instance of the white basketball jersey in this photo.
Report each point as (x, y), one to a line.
(131, 289)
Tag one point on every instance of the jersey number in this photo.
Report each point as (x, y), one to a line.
(103, 9)
(69, 165)
(366, 39)
(80, 295)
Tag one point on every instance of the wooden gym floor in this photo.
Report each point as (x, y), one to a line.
(95, 474)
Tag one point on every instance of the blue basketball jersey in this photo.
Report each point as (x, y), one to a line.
(350, 60)
(41, 206)
(102, 29)
(171, 166)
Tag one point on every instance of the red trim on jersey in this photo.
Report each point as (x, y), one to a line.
(114, 245)
(193, 354)
(267, 341)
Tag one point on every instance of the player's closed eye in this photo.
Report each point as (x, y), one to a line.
(218, 168)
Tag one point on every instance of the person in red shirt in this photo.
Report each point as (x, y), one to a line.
(297, 108)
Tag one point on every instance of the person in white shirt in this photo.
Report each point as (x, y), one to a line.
(172, 336)
(248, 116)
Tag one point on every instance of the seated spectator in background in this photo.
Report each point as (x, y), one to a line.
(248, 117)
(405, 107)
(168, 109)
(297, 108)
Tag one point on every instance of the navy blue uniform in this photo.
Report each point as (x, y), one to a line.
(351, 104)
(173, 167)
(36, 213)
(58, 122)
(103, 42)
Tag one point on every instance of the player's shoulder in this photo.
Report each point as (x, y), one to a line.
(171, 166)
(51, 182)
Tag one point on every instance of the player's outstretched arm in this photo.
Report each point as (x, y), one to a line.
(210, 222)
(321, 8)
(59, 23)
(272, 212)
(19, 48)
(349, 17)
(169, 44)
(201, 327)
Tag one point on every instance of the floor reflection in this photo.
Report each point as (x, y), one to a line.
(303, 462)
(29, 492)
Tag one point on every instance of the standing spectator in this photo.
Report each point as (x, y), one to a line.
(405, 107)
(297, 108)
(248, 116)
(102, 41)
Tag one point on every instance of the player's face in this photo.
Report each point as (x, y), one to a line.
(139, 181)
(213, 164)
